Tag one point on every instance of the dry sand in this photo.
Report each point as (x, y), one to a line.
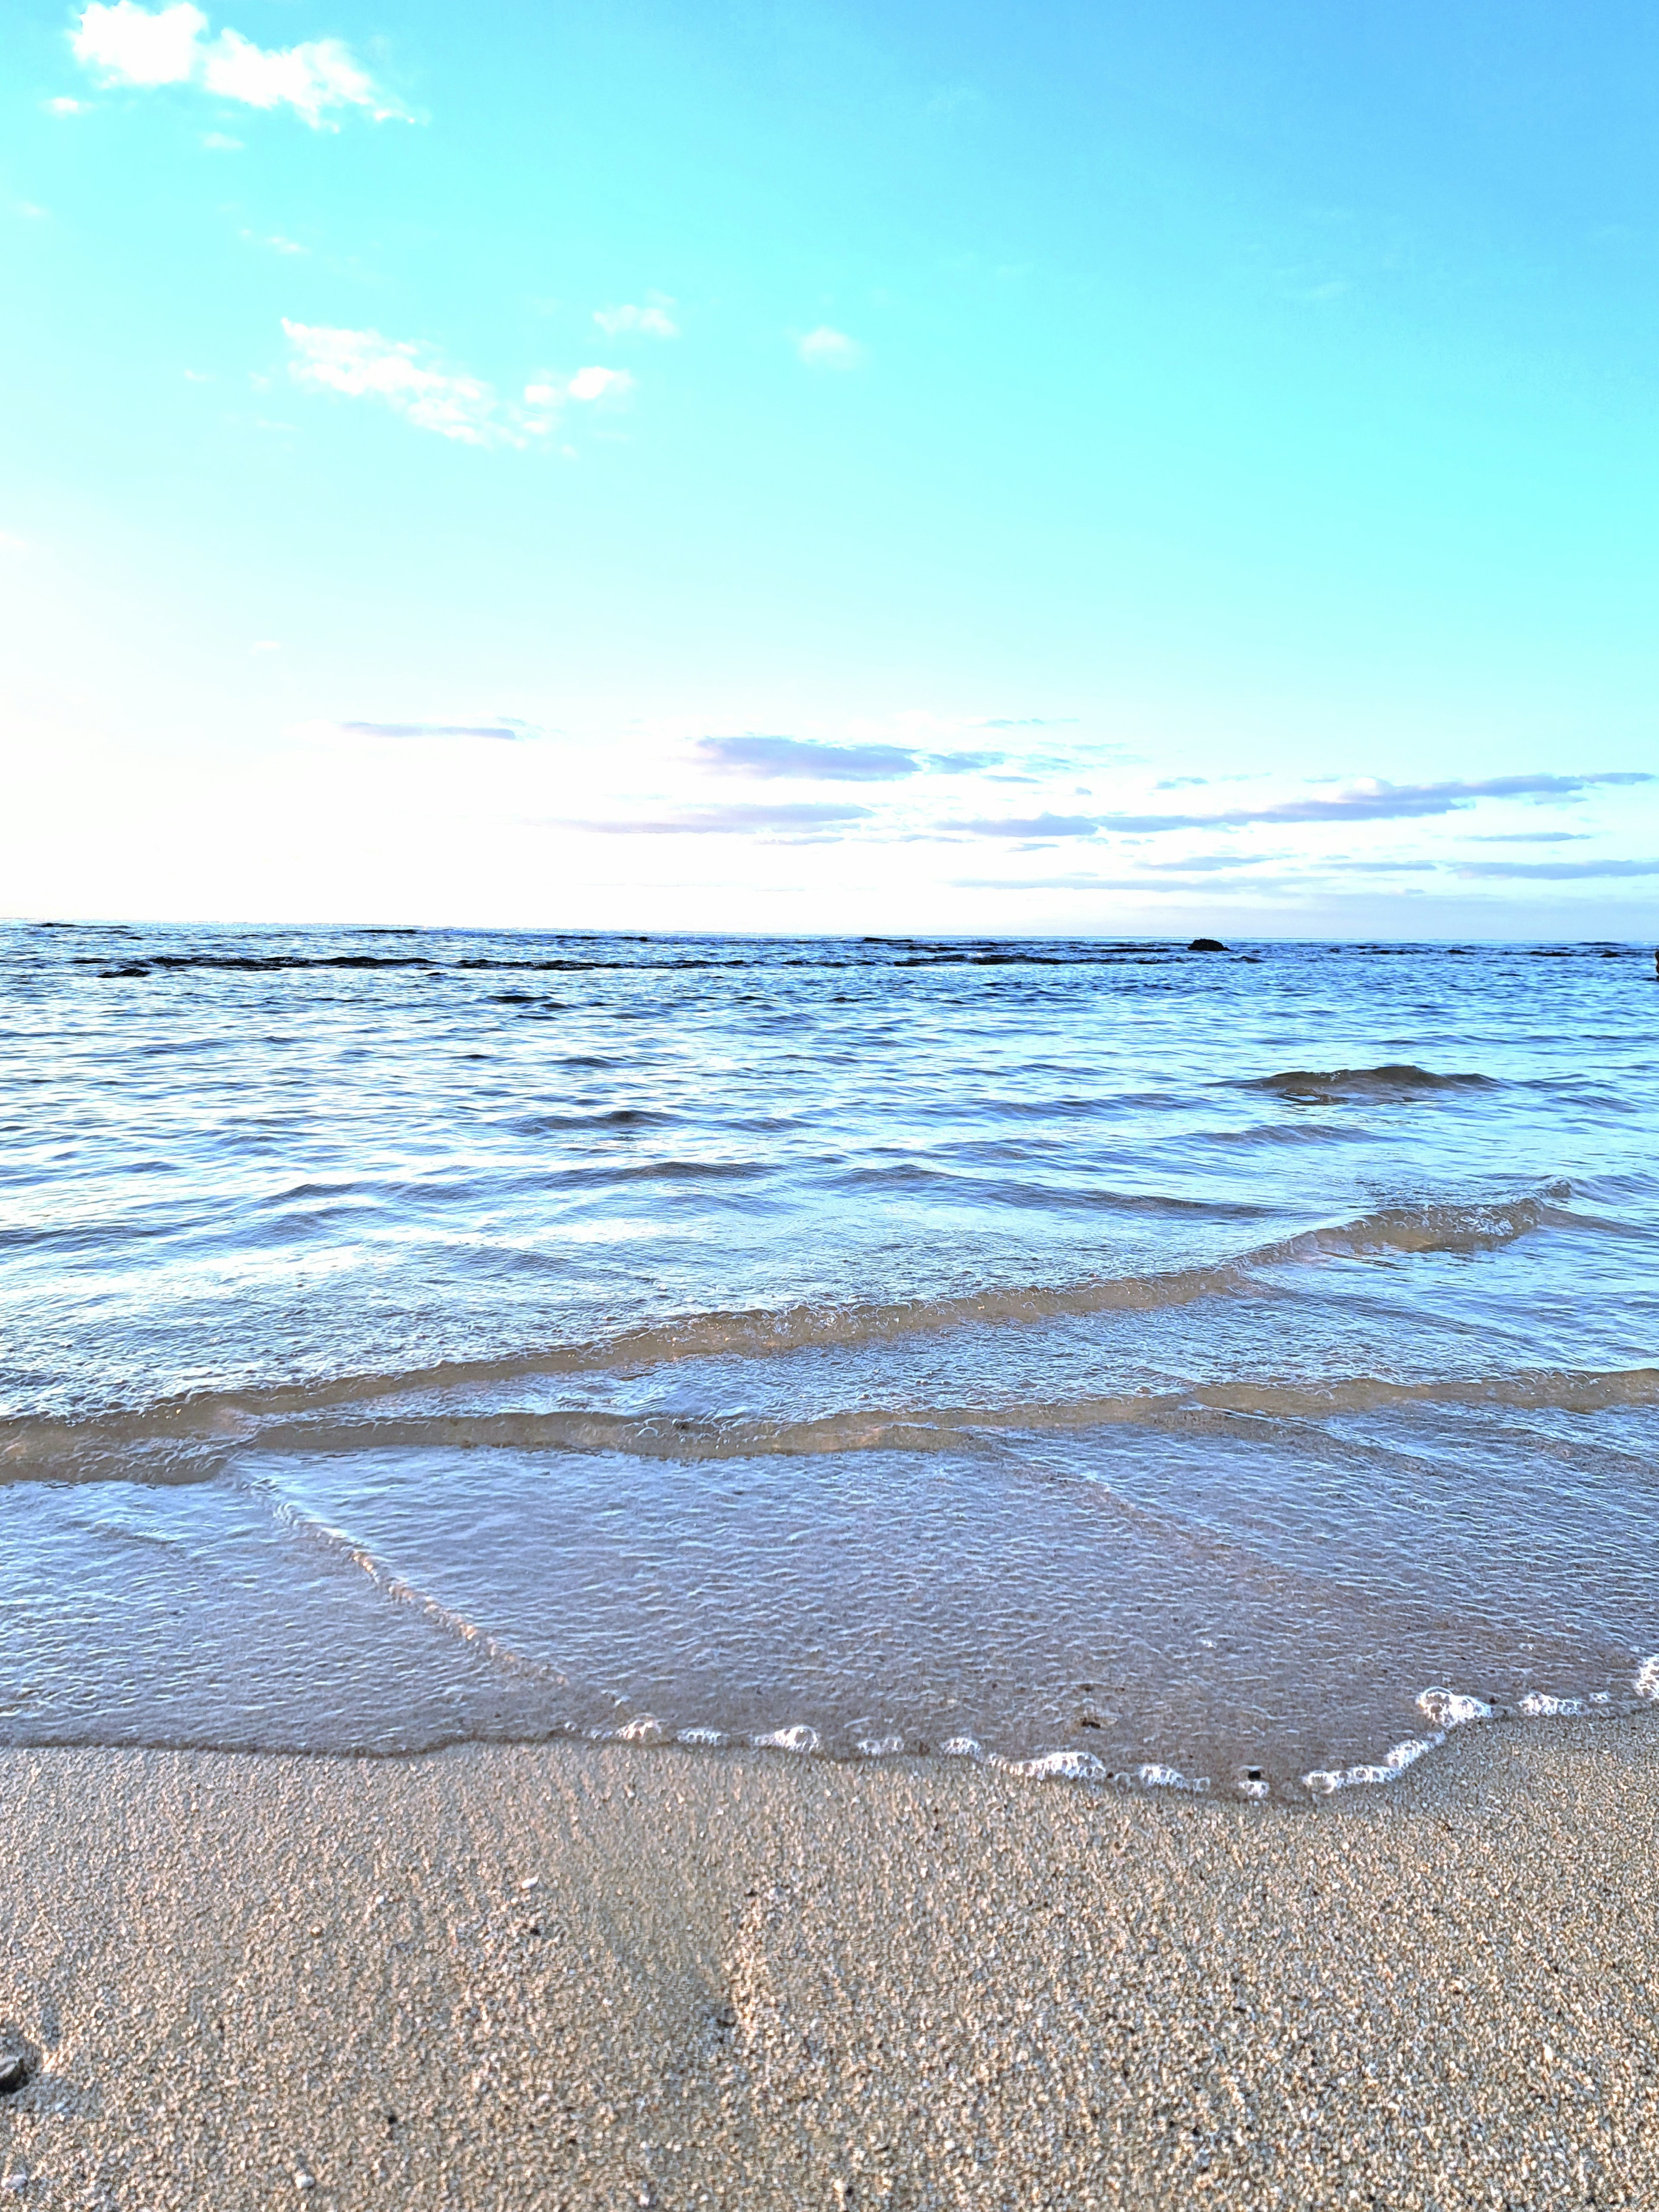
(560, 1976)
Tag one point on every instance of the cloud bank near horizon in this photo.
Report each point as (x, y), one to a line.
(1378, 800)
(1300, 863)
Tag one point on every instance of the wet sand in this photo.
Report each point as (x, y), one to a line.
(559, 1976)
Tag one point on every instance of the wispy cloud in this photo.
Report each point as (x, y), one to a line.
(1029, 722)
(1069, 882)
(650, 322)
(1030, 825)
(412, 379)
(510, 730)
(123, 44)
(1558, 870)
(1206, 863)
(404, 376)
(1374, 802)
(1377, 801)
(807, 758)
(815, 760)
(733, 821)
(1527, 836)
(825, 348)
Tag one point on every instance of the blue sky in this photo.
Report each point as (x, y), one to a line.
(854, 467)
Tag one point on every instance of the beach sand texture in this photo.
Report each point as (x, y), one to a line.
(580, 1976)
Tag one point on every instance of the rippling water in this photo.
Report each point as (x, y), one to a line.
(1231, 1368)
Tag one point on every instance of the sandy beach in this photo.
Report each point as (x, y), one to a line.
(563, 1976)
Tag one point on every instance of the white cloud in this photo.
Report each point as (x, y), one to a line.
(414, 382)
(827, 348)
(363, 365)
(309, 78)
(549, 393)
(126, 44)
(66, 107)
(130, 46)
(649, 322)
(594, 383)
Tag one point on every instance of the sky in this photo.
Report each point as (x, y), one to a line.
(1063, 468)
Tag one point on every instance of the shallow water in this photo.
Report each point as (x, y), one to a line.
(1227, 1369)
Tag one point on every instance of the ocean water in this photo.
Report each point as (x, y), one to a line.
(1225, 1370)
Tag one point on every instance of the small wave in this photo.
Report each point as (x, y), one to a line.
(1400, 1080)
(1326, 1780)
(950, 1428)
(122, 1450)
(1447, 1709)
(346, 1552)
(778, 1332)
(615, 1117)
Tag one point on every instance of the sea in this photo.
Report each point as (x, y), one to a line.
(1227, 1371)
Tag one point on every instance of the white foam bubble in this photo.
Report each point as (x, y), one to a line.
(1154, 1776)
(1536, 1703)
(962, 1747)
(1324, 1781)
(703, 1735)
(644, 1728)
(1449, 1709)
(879, 1746)
(1257, 1788)
(799, 1738)
(1059, 1766)
(1647, 1678)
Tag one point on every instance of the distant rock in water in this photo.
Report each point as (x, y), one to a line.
(1207, 945)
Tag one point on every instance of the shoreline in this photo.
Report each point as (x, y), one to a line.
(569, 1975)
